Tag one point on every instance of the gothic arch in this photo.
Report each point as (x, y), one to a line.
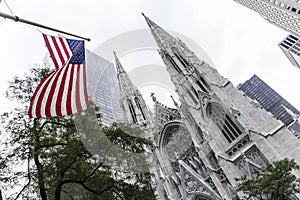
(138, 104)
(228, 126)
(180, 58)
(201, 82)
(132, 111)
(174, 140)
(173, 63)
(203, 85)
(202, 196)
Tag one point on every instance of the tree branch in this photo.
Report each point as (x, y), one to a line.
(83, 185)
(70, 165)
(52, 145)
(49, 122)
(93, 172)
(28, 174)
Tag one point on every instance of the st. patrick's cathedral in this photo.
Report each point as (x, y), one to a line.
(216, 133)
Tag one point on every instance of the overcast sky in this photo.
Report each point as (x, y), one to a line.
(238, 40)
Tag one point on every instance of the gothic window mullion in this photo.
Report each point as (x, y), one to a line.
(204, 83)
(202, 87)
(181, 60)
(132, 112)
(173, 63)
(192, 96)
(224, 130)
(137, 101)
(227, 136)
(231, 127)
(235, 126)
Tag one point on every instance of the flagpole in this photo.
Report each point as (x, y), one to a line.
(18, 19)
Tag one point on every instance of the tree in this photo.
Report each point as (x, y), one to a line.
(273, 182)
(58, 164)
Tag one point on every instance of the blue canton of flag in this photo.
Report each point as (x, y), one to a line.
(77, 48)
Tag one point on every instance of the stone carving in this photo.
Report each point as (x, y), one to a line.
(238, 146)
(177, 142)
(234, 112)
(250, 160)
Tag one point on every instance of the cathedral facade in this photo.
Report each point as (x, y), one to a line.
(215, 135)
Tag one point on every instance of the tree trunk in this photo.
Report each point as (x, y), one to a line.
(41, 181)
(39, 166)
(1, 195)
(57, 192)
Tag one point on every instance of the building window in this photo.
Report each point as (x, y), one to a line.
(203, 84)
(199, 132)
(173, 63)
(132, 111)
(137, 101)
(181, 59)
(223, 121)
(290, 40)
(194, 99)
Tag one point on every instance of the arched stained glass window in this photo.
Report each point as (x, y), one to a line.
(181, 59)
(137, 101)
(173, 63)
(224, 122)
(132, 112)
(203, 85)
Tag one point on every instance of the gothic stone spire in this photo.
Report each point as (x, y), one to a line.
(119, 67)
(159, 34)
(132, 101)
(184, 67)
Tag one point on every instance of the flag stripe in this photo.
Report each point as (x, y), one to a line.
(50, 96)
(85, 101)
(55, 96)
(32, 106)
(58, 50)
(55, 51)
(50, 51)
(65, 102)
(69, 94)
(73, 92)
(39, 101)
(60, 95)
(64, 47)
(78, 92)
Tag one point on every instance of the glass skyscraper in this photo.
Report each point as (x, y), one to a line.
(103, 88)
(284, 14)
(291, 48)
(270, 100)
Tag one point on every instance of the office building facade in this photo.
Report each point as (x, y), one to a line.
(271, 101)
(282, 13)
(103, 88)
(286, 15)
(291, 48)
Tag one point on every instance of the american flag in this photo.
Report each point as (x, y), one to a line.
(62, 92)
